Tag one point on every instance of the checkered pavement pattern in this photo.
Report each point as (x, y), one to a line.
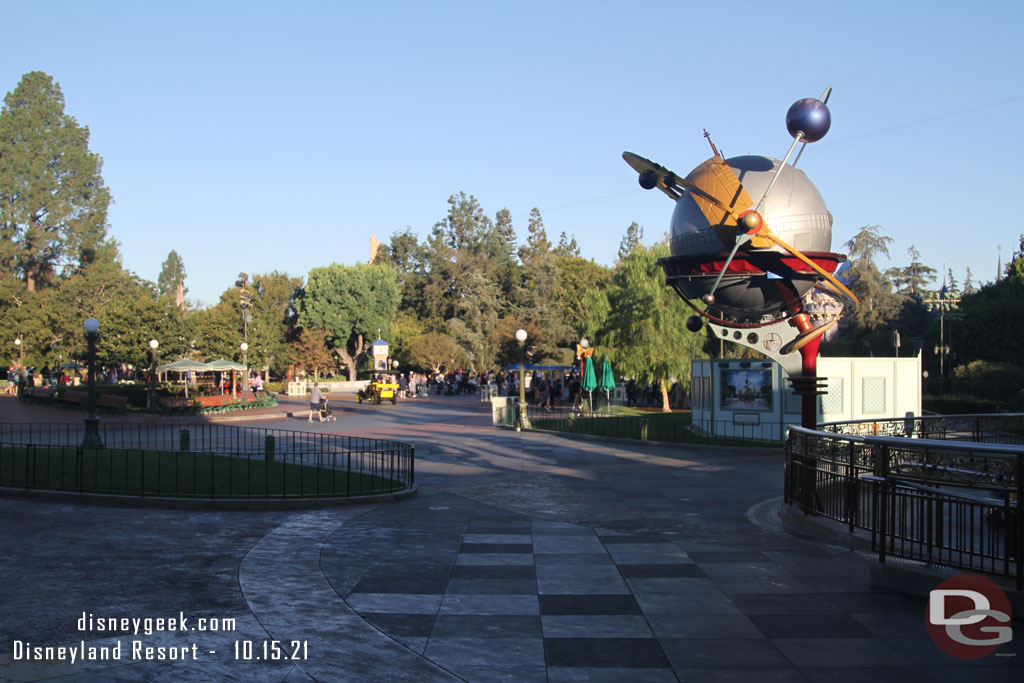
(489, 594)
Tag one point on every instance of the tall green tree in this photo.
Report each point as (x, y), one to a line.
(539, 309)
(878, 303)
(913, 280)
(992, 327)
(273, 320)
(630, 241)
(53, 203)
(350, 303)
(641, 324)
(576, 277)
(172, 273)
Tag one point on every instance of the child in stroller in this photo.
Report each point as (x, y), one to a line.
(325, 411)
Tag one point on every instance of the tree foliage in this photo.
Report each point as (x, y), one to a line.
(877, 302)
(53, 203)
(641, 328)
(436, 351)
(172, 273)
(349, 303)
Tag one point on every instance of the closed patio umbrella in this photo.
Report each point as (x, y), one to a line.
(589, 381)
(607, 380)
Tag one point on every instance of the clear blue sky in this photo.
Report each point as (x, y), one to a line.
(253, 136)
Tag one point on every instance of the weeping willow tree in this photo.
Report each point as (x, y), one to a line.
(638, 323)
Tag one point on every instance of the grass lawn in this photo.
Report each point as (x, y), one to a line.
(629, 423)
(188, 474)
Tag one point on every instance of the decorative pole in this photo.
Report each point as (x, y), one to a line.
(521, 421)
(245, 361)
(92, 423)
(153, 359)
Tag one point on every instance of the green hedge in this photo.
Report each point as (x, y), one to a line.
(960, 405)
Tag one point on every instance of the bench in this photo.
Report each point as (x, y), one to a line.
(73, 398)
(215, 404)
(118, 403)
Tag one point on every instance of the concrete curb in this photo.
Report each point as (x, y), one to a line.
(205, 503)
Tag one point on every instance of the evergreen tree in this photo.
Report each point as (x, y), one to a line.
(630, 241)
(969, 287)
(567, 247)
(172, 272)
(915, 278)
(53, 203)
(878, 303)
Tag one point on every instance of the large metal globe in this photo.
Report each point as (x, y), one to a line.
(794, 211)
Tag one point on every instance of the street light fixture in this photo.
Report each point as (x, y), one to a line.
(153, 359)
(92, 422)
(521, 415)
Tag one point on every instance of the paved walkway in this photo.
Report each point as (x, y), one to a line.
(525, 557)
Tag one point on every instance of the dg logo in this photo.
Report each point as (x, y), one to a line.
(969, 616)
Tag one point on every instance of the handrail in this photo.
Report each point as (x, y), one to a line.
(955, 503)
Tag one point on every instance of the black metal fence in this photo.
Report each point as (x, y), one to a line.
(668, 427)
(1004, 428)
(202, 461)
(948, 502)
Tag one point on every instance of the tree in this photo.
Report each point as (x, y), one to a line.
(436, 351)
(992, 328)
(576, 277)
(914, 279)
(311, 351)
(172, 275)
(567, 247)
(273, 320)
(349, 303)
(641, 326)
(53, 203)
(878, 303)
(630, 241)
(540, 292)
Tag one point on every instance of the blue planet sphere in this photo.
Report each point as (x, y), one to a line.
(809, 116)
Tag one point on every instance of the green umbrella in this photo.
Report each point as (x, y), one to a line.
(607, 378)
(589, 379)
(607, 381)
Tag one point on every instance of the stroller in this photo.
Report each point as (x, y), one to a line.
(325, 411)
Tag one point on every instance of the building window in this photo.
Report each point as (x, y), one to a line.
(873, 395)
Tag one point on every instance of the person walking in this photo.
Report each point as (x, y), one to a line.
(315, 396)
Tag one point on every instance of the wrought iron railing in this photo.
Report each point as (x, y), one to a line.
(1006, 428)
(667, 427)
(202, 461)
(949, 502)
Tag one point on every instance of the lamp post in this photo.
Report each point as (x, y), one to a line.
(153, 361)
(521, 415)
(17, 345)
(92, 423)
(245, 361)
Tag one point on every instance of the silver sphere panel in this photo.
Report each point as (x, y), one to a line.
(795, 211)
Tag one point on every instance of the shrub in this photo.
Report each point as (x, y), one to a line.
(994, 381)
(959, 405)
